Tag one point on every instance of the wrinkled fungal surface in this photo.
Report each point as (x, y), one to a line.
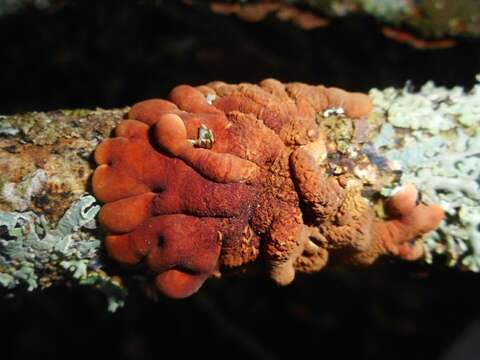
(219, 176)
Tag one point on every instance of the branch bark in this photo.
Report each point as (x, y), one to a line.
(48, 229)
(435, 19)
(432, 19)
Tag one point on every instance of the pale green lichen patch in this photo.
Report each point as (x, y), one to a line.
(34, 254)
(415, 110)
(432, 137)
(6, 128)
(389, 10)
(19, 196)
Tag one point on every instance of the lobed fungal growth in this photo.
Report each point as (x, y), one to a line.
(222, 175)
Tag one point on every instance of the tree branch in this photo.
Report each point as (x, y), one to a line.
(432, 19)
(48, 229)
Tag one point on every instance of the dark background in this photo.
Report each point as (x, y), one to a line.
(114, 53)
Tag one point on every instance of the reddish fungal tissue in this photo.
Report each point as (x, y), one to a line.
(221, 175)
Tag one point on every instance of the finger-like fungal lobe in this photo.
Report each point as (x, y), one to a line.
(220, 176)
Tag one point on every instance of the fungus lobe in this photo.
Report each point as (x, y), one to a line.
(221, 175)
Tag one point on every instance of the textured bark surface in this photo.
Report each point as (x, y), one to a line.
(49, 233)
(61, 144)
(430, 18)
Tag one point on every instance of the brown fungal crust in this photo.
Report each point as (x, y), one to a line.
(220, 175)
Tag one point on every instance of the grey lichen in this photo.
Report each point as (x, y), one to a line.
(6, 128)
(33, 254)
(389, 10)
(432, 137)
(20, 195)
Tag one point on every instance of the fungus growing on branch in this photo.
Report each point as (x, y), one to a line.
(222, 175)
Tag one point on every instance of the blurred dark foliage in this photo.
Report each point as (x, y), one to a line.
(113, 53)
